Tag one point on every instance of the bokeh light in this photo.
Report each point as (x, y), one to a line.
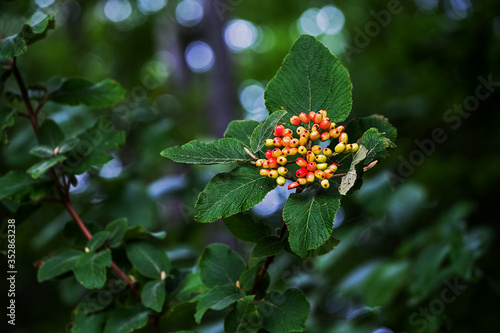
(252, 99)
(117, 10)
(327, 20)
(199, 56)
(151, 6)
(189, 13)
(240, 35)
(44, 3)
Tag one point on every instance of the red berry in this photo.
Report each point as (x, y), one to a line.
(293, 185)
(325, 124)
(324, 136)
(269, 154)
(273, 163)
(301, 162)
(278, 130)
(277, 142)
(302, 172)
(294, 120)
(311, 166)
(312, 114)
(304, 117)
(318, 117)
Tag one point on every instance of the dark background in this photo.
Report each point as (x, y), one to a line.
(425, 218)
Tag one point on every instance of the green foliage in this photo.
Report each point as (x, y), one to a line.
(353, 179)
(265, 130)
(90, 268)
(148, 258)
(38, 169)
(59, 263)
(219, 265)
(267, 246)
(222, 151)
(77, 91)
(6, 120)
(16, 185)
(128, 319)
(232, 192)
(244, 227)
(153, 294)
(311, 78)
(377, 144)
(244, 317)
(217, 298)
(241, 130)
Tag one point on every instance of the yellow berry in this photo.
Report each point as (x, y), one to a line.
(325, 183)
(302, 150)
(322, 166)
(269, 143)
(320, 158)
(273, 174)
(282, 171)
(340, 147)
(264, 172)
(280, 180)
(355, 147)
(282, 160)
(319, 174)
(343, 137)
(316, 149)
(327, 152)
(302, 181)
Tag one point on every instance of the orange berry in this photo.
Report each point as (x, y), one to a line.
(324, 136)
(294, 143)
(301, 162)
(294, 120)
(325, 124)
(312, 114)
(310, 177)
(277, 142)
(287, 132)
(333, 167)
(328, 173)
(318, 117)
(311, 166)
(286, 141)
(293, 185)
(276, 152)
(293, 151)
(304, 117)
(302, 181)
(314, 135)
(334, 133)
(273, 163)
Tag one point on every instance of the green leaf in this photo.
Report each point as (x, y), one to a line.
(128, 320)
(232, 192)
(219, 265)
(377, 145)
(77, 91)
(93, 147)
(6, 120)
(222, 151)
(50, 134)
(97, 240)
(38, 169)
(16, 45)
(309, 217)
(247, 278)
(148, 258)
(42, 151)
(244, 227)
(138, 232)
(217, 298)
(383, 284)
(153, 294)
(353, 177)
(330, 244)
(192, 284)
(284, 312)
(358, 126)
(90, 268)
(67, 145)
(310, 79)
(264, 131)
(241, 130)
(59, 263)
(116, 231)
(91, 323)
(244, 317)
(267, 246)
(15, 185)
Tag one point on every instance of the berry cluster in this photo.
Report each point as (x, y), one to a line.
(315, 163)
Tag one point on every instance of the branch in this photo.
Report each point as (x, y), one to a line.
(26, 98)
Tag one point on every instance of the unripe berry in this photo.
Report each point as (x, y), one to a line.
(302, 172)
(343, 137)
(322, 166)
(287, 132)
(300, 129)
(302, 181)
(301, 162)
(314, 135)
(276, 152)
(315, 127)
(310, 157)
(294, 143)
(269, 154)
(273, 163)
(327, 152)
(273, 174)
(332, 126)
(334, 133)
(318, 118)
(324, 136)
(333, 167)
(286, 151)
(293, 185)
(319, 174)
(341, 129)
(282, 171)
(264, 172)
(294, 120)
(320, 158)
(325, 183)
(311, 166)
(316, 149)
(339, 147)
(355, 147)
(310, 177)
(304, 117)
(325, 124)
(302, 150)
(293, 151)
(278, 130)
(328, 173)
(265, 164)
(323, 112)
(303, 140)
(277, 142)
(286, 141)
(259, 163)
(269, 143)
(347, 149)
(280, 180)
(312, 114)
(282, 160)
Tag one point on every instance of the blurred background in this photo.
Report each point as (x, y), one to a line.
(418, 243)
